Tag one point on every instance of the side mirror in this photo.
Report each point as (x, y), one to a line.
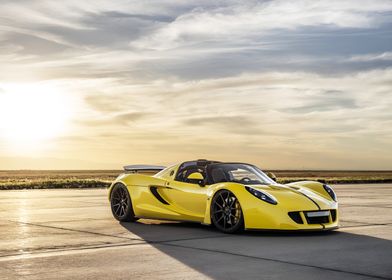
(196, 178)
(272, 176)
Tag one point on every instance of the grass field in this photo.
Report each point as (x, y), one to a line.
(50, 179)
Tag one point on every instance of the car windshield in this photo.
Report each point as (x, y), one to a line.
(237, 173)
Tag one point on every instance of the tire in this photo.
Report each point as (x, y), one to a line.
(226, 212)
(121, 204)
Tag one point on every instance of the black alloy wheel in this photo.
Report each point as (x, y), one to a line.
(226, 213)
(121, 204)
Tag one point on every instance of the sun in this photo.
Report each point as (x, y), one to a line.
(30, 115)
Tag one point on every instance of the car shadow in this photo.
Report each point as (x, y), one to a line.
(268, 254)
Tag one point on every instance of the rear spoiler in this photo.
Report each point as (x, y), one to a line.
(143, 168)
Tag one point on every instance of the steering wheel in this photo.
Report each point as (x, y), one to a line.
(245, 180)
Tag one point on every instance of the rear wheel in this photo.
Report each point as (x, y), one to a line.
(121, 204)
(226, 212)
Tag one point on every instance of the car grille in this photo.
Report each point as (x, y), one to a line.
(317, 220)
(313, 217)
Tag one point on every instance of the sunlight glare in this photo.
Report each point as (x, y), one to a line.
(32, 114)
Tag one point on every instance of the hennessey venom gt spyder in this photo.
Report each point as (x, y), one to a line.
(231, 196)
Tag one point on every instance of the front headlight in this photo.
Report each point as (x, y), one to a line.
(330, 191)
(261, 195)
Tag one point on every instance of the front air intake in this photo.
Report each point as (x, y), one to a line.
(296, 217)
(333, 215)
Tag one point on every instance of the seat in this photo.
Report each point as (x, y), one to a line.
(218, 175)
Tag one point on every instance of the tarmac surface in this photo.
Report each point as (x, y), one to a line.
(71, 234)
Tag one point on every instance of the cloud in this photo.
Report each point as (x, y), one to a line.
(282, 81)
(192, 40)
(387, 56)
(277, 117)
(121, 119)
(258, 105)
(130, 117)
(238, 124)
(326, 101)
(251, 19)
(102, 103)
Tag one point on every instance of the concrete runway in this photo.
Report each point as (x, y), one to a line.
(70, 234)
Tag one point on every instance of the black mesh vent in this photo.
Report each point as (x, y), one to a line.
(296, 217)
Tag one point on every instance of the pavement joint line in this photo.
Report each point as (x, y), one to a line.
(69, 221)
(38, 252)
(279, 261)
(359, 196)
(75, 230)
(344, 220)
(79, 220)
(361, 224)
(97, 233)
(173, 240)
(371, 206)
(90, 202)
(365, 223)
(116, 236)
(39, 198)
(113, 245)
(122, 237)
(369, 225)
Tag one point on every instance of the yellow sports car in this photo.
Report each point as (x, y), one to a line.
(230, 196)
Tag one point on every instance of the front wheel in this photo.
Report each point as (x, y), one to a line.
(121, 204)
(226, 212)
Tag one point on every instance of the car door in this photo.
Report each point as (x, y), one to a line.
(187, 199)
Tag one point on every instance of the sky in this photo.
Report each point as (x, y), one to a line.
(281, 84)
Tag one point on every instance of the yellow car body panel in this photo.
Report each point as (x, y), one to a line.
(162, 197)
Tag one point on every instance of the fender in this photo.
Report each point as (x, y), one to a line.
(139, 180)
(213, 189)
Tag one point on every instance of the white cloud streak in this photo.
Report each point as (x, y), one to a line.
(250, 19)
(387, 56)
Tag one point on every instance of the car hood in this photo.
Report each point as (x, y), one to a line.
(297, 198)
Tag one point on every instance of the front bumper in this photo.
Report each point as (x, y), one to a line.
(284, 219)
